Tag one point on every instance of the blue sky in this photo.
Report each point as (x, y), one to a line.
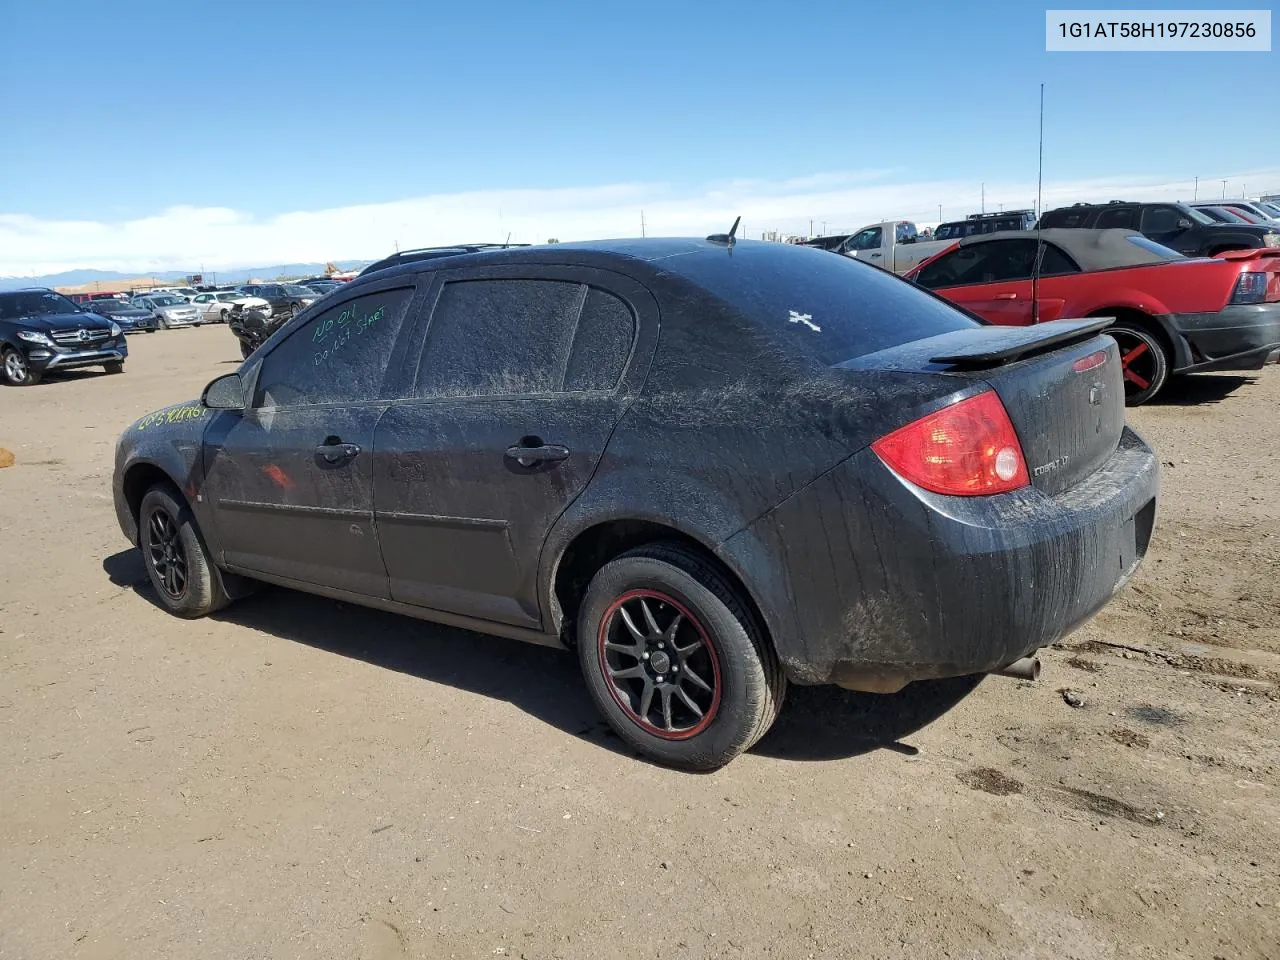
(243, 112)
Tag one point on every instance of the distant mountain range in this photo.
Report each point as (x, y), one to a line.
(110, 278)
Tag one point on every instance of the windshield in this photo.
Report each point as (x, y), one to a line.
(34, 303)
(1227, 216)
(832, 308)
(231, 297)
(1195, 215)
(167, 300)
(295, 291)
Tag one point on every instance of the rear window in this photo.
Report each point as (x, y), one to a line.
(829, 308)
(1159, 249)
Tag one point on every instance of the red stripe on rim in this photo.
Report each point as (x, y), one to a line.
(712, 655)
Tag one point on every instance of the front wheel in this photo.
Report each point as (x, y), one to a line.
(115, 366)
(1143, 361)
(17, 371)
(675, 660)
(177, 561)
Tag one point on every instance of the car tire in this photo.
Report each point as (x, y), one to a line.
(16, 370)
(223, 315)
(1144, 361)
(177, 560)
(245, 350)
(115, 366)
(732, 685)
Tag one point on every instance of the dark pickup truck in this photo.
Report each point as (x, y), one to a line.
(1173, 225)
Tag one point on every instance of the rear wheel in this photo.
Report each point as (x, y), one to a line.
(675, 660)
(17, 371)
(1144, 362)
(177, 561)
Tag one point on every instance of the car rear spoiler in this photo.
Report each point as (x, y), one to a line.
(1258, 253)
(992, 346)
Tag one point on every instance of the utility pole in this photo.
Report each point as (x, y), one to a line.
(810, 229)
(939, 213)
(1244, 191)
(1224, 189)
(1195, 195)
(824, 228)
(984, 198)
(642, 233)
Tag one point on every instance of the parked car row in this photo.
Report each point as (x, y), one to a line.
(1192, 288)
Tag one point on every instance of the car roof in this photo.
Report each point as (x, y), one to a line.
(583, 253)
(1090, 249)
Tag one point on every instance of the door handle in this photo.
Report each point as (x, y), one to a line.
(875, 254)
(1006, 296)
(546, 453)
(335, 453)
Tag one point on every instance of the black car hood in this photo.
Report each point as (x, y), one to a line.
(64, 321)
(1257, 229)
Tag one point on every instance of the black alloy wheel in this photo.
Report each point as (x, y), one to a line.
(675, 659)
(663, 669)
(166, 554)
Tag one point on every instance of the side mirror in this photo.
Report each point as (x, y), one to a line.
(225, 393)
(1184, 223)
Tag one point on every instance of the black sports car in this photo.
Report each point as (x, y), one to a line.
(712, 468)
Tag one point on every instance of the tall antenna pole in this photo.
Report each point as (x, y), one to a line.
(984, 197)
(1196, 193)
(1224, 189)
(1035, 267)
(642, 233)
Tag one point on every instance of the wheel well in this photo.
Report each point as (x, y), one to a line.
(140, 478)
(1145, 321)
(594, 547)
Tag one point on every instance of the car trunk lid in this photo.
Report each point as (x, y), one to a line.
(1060, 382)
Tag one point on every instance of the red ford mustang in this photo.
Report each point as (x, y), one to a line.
(1173, 314)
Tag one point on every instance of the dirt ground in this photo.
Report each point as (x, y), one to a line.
(302, 778)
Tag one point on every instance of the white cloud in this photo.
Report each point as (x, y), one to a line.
(219, 238)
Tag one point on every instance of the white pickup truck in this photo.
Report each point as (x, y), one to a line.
(892, 244)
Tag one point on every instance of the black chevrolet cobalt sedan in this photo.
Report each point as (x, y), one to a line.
(712, 468)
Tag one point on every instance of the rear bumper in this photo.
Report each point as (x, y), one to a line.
(1238, 337)
(878, 583)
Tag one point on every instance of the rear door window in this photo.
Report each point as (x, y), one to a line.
(602, 345)
(1121, 217)
(493, 338)
(830, 309)
(1053, 262)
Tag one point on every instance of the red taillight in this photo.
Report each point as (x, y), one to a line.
(966, 450)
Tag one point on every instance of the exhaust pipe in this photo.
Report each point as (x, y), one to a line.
(1028, 668)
